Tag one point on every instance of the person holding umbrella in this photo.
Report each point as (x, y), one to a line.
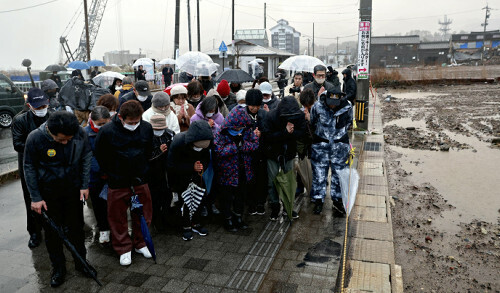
(167, 72)
(115, 86)
(282, 128)
(123, 149)
(330, 118)
(57, 160)
(188, 158)
(140, 74)
(22, 126)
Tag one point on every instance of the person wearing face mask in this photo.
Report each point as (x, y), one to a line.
(182, 109)
(330, 118)
(319, 84)
(23, 124)
(110, 102)
(127, 86)
(349, 86)
(188, 158)
(123, 149)
(161, 105)
(141, 93)
(227, 96)
(240, 99)
(98, 117)
(57, 159)
(195, 93)
(208, 111)
(234, 145)
(50, 88)
(269, 101)
(115, 86)
(161, 196)
(257, 200)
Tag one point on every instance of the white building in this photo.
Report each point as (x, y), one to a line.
(285, 37)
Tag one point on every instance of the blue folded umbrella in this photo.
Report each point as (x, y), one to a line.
(208, 175)
(136, 206)
(78, 65)
(95, 62)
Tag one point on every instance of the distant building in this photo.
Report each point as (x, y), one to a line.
(246, 52)
(285, 37)
(470, 46)
(121, 57)
(394, 51)
(255, 36)
(433, 53)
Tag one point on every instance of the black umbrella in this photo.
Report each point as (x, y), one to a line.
(136, 206)
(89, 268)
(55, 67)
(234, 75)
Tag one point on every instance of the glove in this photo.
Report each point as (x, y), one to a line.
(68, 109)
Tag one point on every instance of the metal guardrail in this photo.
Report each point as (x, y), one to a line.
(24, 86)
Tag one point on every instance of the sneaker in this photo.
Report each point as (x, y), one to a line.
(187, 234)
(261, 210)
(295, 215)
(275, 211)
(126, 259)
(215, 211)
(144, 251)
(202, 231)
(318, 206)
(338, 206)
(103, 237)
(229, 225)
(252, 211)
(239, 223)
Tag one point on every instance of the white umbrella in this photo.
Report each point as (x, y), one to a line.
(106, 78)
(301, 63)
(204, 68)
(188, 61)
(258, 60)
(167, 61)
(143, 61)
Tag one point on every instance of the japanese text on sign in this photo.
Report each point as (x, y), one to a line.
(363, 49)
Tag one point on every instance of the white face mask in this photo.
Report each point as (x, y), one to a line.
(131, 127)
(319, 80)
(40, 113)
(209, 115)
(159, 132)
(142, 98)
(266, 100)
(118, 87)
(197, 149)
(112, 113)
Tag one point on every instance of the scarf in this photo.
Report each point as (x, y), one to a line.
(158, 111)
(177, 108)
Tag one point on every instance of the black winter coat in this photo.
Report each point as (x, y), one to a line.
(349, 88)
(315, 87)
(22, 126)
(131, 96)
(276, 138)
(123, 155)
(158, 161)
(273, 103)
(182, 156)
(230, 102)
(50, 166)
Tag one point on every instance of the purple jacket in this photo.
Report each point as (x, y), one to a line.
(217, 118)
(230, 151)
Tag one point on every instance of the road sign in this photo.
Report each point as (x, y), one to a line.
(223, 54)
(364, 50)
(223, 47)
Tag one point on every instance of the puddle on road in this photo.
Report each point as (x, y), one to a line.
(404, 94)
(408, 122)
(468, 180)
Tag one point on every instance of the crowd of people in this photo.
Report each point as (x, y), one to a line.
(221, 142)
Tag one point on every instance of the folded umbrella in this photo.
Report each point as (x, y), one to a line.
(192, 198)
(136, 206)
(208, 175)
(304, 169)
(60, 232)
(234, 75)
(349, 180)
(286, 185)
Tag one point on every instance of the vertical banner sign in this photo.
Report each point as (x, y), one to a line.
(364, 50)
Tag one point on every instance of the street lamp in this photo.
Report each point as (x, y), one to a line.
(27, 63)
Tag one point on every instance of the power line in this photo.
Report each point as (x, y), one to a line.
(420, 17)
(28, 7)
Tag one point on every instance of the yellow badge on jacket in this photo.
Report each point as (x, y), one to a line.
(51, 152)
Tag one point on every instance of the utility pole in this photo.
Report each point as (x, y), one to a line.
(445, 26)
(363, 85)
(265, 15)
(484, 25)
(308, 48)
(313, 40)
(189, 25)
(177, 16)
(232, 34)
(198, 20)
(338, 63)
(87, 31)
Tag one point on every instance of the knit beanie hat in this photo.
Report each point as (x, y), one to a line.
(253, 97)
(160, 99)
(158, 121)
(223, 88)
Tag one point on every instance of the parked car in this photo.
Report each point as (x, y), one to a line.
(12, 101)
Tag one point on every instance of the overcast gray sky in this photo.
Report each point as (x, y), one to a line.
(149, 24)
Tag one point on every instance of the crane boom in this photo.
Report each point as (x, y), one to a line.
(95, 15)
